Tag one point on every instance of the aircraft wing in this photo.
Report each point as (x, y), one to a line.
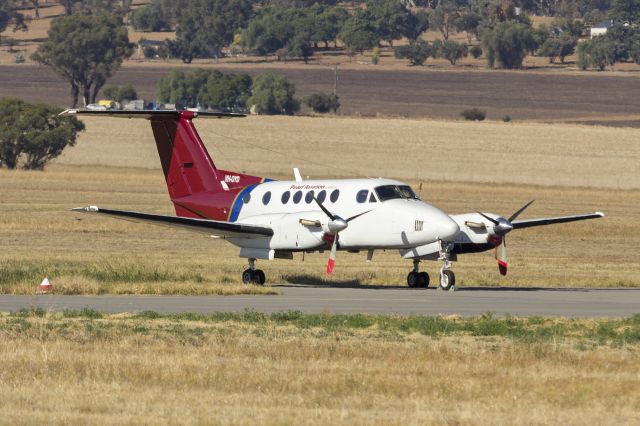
(518, 224)
(206, 226)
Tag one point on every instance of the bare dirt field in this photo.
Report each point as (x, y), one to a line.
(463, 167)
(582, 97)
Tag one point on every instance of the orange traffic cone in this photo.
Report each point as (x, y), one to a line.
(45, 287)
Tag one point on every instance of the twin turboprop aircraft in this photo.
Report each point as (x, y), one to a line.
(273, 219)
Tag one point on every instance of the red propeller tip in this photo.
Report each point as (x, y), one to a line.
(502, 266)
(330, 264)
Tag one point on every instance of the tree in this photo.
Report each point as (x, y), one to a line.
(558, 47)
(452, 51)
(206, 88)
(326, 23)
(151, 17)
(416, 52)
(358, 32)
(391, 19)
(271, 29)
(204, 27)
(625, 11)
(469, 22)
(120, 93)
(273, 94)
(418, 24)
(31, 135)
(597, 53)
(9, 15)
(300, 47)
(323, 102)
(443, 18)
(508, 44)
(86, 50)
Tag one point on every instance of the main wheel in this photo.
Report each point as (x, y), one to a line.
(412, 279)
(423, 279)
(259, 277)
(248, 276)
(447, 279)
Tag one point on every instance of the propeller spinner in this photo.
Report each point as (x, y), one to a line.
(335, 225)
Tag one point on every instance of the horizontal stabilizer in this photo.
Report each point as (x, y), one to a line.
(519, 224)
(147, 114)
(210, 227)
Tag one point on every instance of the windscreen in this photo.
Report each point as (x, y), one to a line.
(390, 192)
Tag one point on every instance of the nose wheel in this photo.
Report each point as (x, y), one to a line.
(417, 278)
(447, 277)
(253, 275)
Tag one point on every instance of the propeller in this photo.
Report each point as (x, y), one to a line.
(501, 227)
(335, 225)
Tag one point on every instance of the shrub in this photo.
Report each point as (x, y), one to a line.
(120, 93)
(149, 52)
(416, 52)
(375, 56)
(476, 51)
(506, 118)
(474, 114)
(321, 102)
(20, 58)
(452, 51)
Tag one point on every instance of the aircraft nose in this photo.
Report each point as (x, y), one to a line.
(447, 228)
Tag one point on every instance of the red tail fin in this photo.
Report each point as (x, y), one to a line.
(186, 164)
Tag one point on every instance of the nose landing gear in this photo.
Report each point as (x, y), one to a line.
(253, 275)
(447, 277)
(417, 278)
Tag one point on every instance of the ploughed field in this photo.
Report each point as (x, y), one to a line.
(544, 96)
(460, 166)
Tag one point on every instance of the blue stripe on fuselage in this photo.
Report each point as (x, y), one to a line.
(238, 203)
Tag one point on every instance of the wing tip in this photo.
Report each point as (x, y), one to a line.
(85, 209)
(600, 214)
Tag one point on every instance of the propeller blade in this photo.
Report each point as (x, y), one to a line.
(490, 219)
(356, 216)
(516, 214)
(332, 256)
(502, 260)
(324, 209)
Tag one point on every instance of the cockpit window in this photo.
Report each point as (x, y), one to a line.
(390, 192)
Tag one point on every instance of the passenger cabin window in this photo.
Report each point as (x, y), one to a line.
(297, 197)
(334, 195)
(309, 197)
(390, 192)
(321, 196)
(246, 197)
(285, 197)
(266, 198)
(361, 196)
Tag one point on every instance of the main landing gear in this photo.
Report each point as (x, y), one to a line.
(253, 275)
(417, 278)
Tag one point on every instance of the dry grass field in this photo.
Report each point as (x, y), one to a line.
(83, 367)
(462, 167)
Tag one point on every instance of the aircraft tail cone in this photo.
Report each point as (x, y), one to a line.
(45, 287)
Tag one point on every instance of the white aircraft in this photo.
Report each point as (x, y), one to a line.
(273, 219)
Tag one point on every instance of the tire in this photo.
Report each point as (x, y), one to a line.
(412, 279)
(260, 278)
(447, 280)
(423, 279)
(248, 276)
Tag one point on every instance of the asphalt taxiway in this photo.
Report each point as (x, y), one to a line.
(466, 301)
